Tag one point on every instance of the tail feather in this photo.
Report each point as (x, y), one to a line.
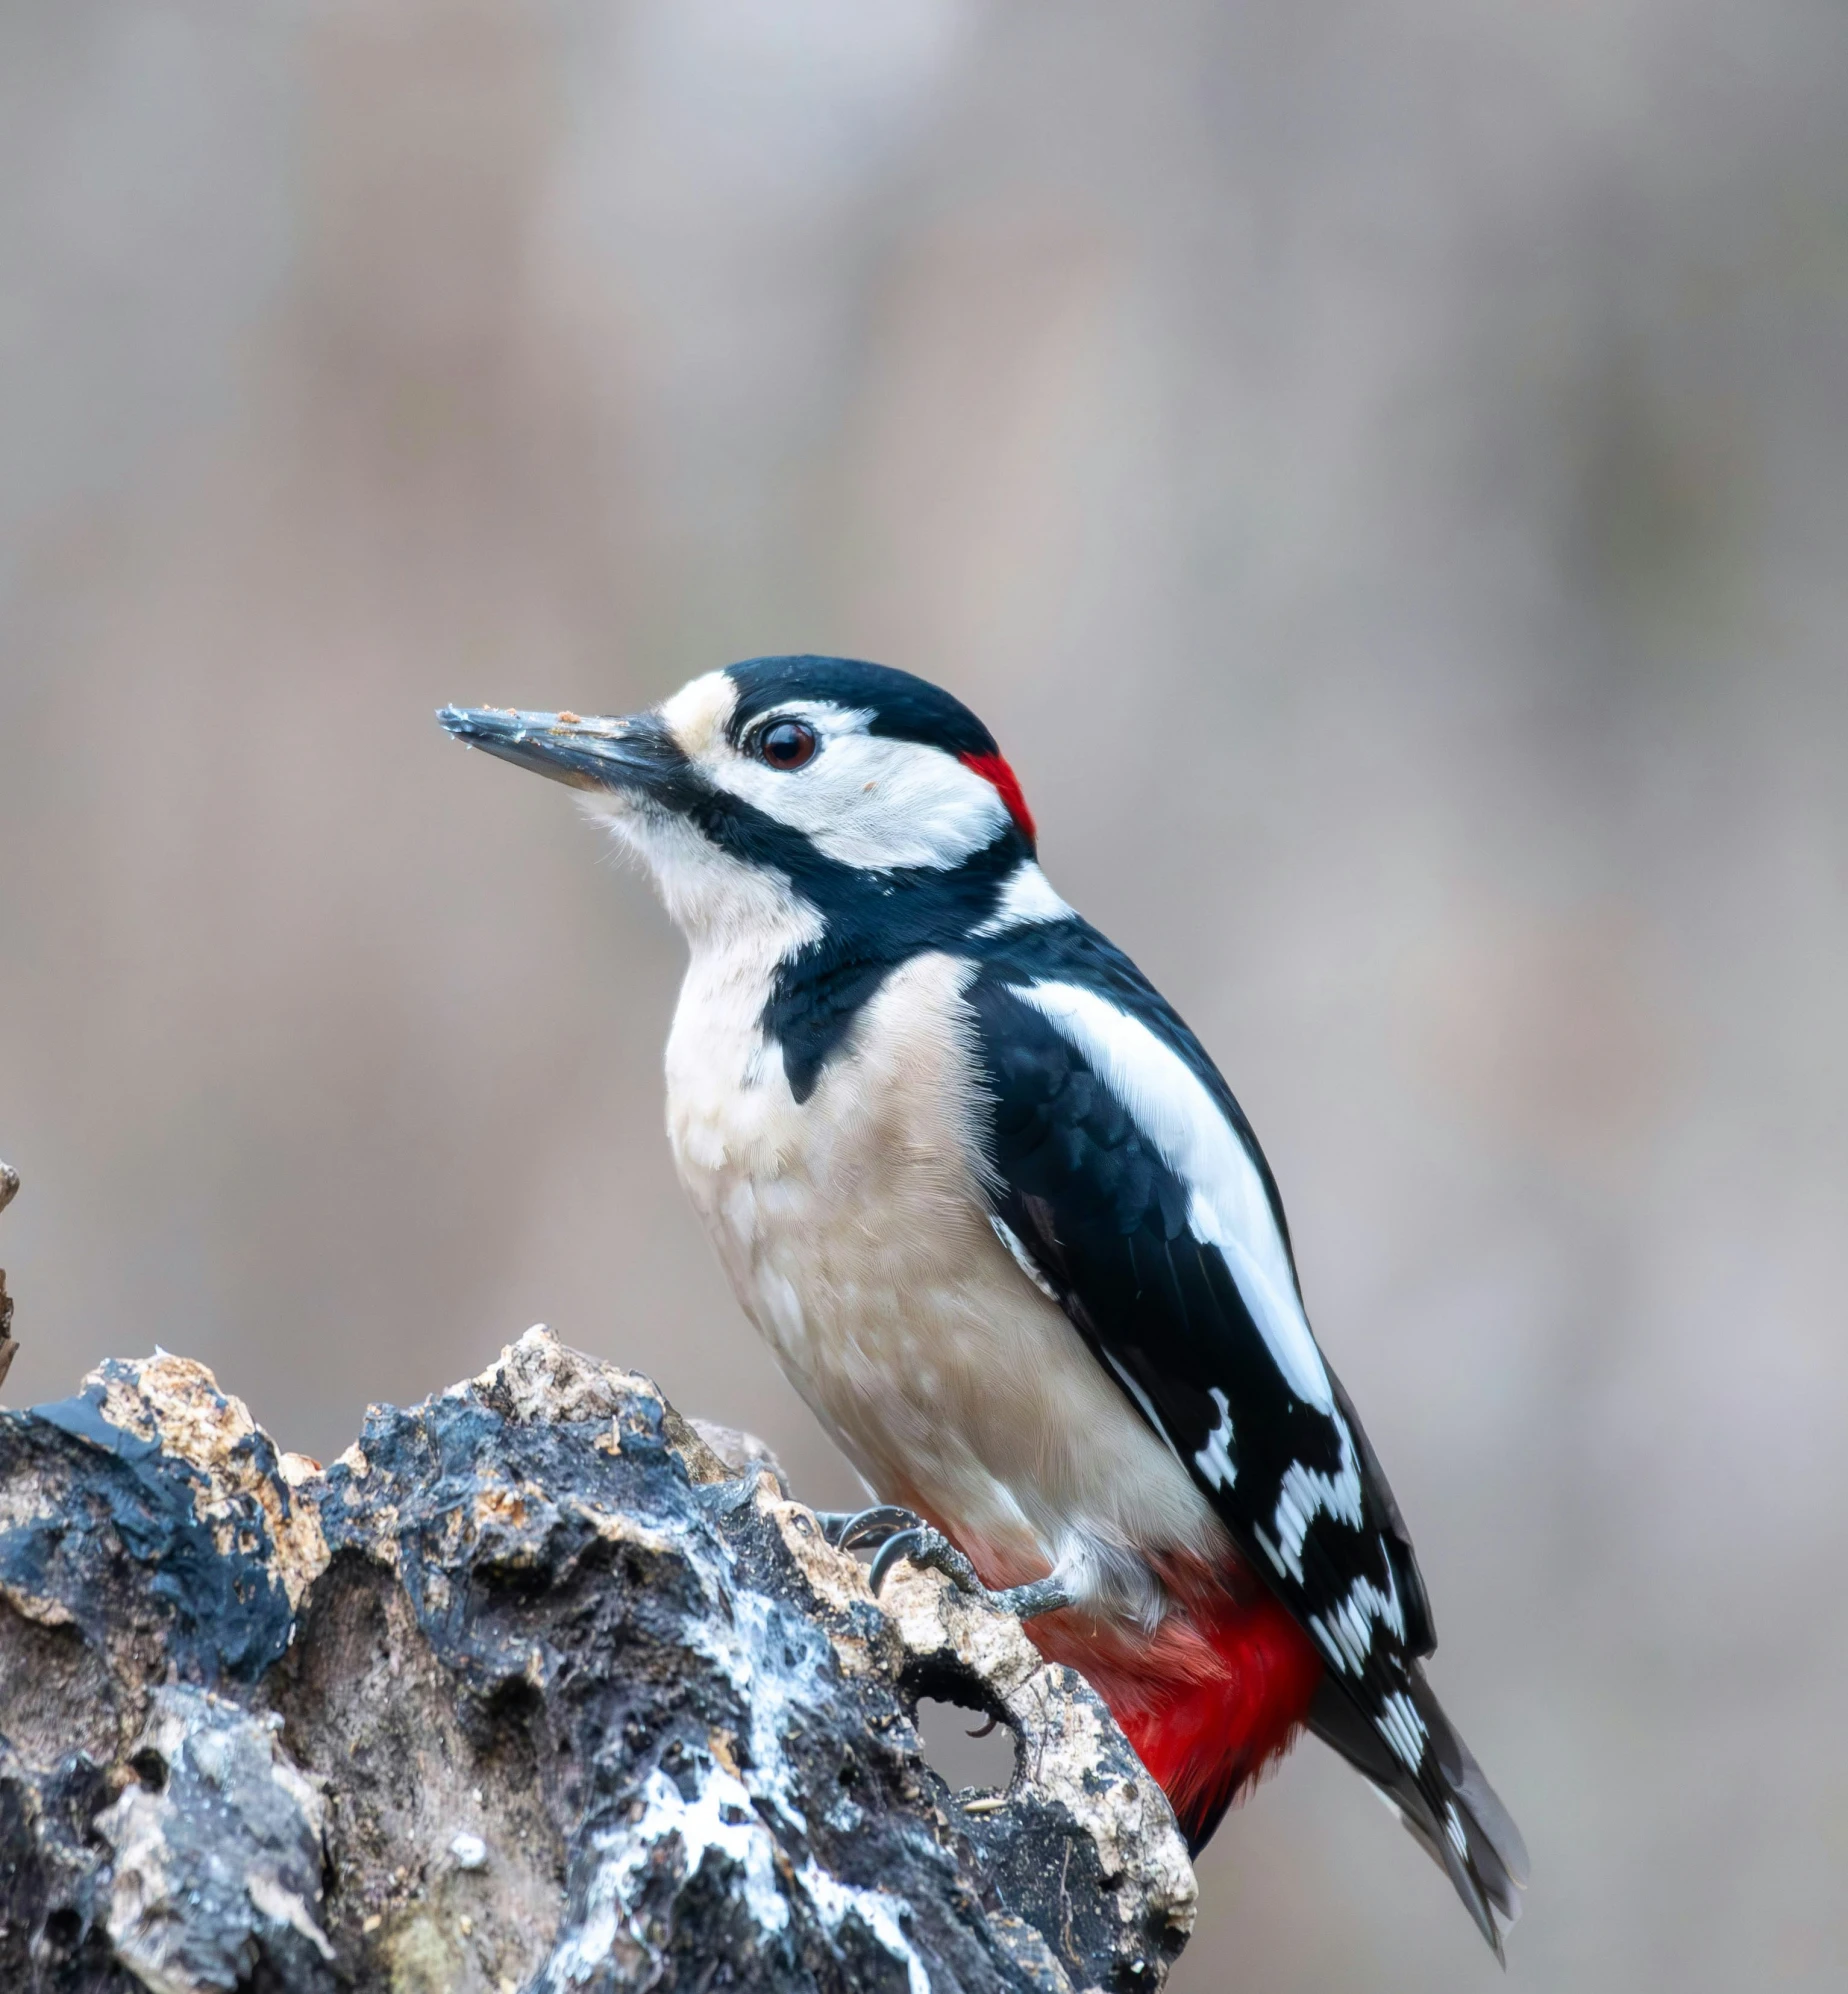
(1447, 1805)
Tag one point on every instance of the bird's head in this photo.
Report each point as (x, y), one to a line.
(810, 788)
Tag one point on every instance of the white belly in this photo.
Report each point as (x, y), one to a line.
(855, 1235)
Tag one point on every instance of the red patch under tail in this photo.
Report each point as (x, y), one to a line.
(1210, 1702)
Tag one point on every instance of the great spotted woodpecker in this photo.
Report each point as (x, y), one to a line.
(1011, 1237)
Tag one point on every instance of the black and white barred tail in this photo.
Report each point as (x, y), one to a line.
(1444, 1802)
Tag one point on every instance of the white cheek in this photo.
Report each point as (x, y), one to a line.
(708, 894)
(875, 804)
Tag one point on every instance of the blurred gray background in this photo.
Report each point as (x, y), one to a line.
(1382, 471)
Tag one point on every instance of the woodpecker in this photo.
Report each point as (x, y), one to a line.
(1011, 1237)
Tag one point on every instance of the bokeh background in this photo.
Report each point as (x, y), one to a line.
(1381, 468)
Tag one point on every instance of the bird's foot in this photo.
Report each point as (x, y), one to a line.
(899, 1535)
(865, 1529)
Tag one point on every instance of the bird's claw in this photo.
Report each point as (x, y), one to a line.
(928, 1547)
(897, 1534)
(864, 1529)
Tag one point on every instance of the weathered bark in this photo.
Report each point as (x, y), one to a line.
(532, 1689)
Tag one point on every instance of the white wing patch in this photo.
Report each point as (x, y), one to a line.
(1305, 1493)
(1227, 1205)
(1346, 1634)
(1214, 1459)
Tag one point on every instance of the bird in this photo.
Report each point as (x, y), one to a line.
(1009, 1234)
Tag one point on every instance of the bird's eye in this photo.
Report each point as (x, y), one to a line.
(786, 745)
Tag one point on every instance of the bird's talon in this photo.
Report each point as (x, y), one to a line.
(929, 1550)
(864, 1529)
(904, 1545)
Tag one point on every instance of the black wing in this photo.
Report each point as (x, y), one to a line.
(1110, 1125)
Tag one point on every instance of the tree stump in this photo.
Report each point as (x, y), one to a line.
(538, 1687)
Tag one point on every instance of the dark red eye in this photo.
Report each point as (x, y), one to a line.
(786, 745)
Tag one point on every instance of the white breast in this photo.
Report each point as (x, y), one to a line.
(857, 1239)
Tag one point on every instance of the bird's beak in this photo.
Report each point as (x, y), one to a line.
(634, 754)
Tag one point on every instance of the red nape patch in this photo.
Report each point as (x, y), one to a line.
(994, 768)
